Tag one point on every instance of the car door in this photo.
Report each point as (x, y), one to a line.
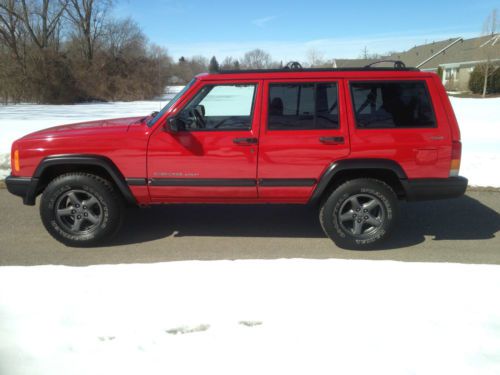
(213, 155)
(304, 129)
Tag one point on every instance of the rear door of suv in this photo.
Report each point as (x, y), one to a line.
(303, 130)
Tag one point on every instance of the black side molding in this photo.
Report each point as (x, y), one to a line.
(284, 182)
(201, 182)
(353, 164)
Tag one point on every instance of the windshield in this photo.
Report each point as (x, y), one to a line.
(171, 102)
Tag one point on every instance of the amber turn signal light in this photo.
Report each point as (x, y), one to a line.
(17, 165)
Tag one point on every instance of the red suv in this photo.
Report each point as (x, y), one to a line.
(353, 141)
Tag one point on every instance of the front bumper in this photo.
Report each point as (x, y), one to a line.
(24, 187)
(434, 188)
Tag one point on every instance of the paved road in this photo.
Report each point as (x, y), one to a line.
(463, 230)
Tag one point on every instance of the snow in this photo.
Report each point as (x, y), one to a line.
(479, 121)
(251, 317)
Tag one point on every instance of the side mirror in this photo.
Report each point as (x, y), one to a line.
(172, 125)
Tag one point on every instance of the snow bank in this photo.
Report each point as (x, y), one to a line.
(479, 121)
(251, 317)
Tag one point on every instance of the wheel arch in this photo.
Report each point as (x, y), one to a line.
(340, 171)
(53, 166)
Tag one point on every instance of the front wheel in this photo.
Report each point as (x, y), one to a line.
(360, 213)
(80, 209)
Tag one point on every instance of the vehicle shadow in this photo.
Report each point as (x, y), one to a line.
(462, 218)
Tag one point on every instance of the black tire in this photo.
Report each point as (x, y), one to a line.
(360, 214)
(81, 209)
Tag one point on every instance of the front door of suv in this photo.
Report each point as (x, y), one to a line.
(213, 156)
(304, 130)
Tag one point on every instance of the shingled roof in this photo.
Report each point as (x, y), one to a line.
(464, 52)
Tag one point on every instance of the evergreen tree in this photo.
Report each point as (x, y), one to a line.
(213, 67)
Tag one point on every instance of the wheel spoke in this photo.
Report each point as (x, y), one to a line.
(64, 211)
(92, 201)
(77, 225)
(357, 227)
(92, 218)
(373, 221)
(73, 198)
(347, 216)
(370, 205)
(355, 203)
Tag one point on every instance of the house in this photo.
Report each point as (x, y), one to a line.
(457, 58)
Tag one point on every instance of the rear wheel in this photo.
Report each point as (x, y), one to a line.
(360, 213)
(80, 209)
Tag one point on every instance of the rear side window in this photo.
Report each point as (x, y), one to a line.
(392, 105)
(303, 106)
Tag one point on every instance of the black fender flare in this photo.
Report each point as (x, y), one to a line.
(353, 164)
(72, 159)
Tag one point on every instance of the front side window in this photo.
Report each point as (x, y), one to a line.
(220, 107)
(392, 105)
(302, 106)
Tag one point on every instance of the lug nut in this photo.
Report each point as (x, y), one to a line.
(73, 212)
(84, 207)
(77, 205)
(79, 217)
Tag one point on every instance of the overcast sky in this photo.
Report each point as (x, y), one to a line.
(288, 29)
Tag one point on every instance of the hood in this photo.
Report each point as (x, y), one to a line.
(100, 127)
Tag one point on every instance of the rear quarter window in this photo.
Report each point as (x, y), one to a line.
(387, 105)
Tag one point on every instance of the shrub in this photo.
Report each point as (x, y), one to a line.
(476, 81)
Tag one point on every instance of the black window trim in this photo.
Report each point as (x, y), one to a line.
(315, 83)
(396, 80)
(213, 84)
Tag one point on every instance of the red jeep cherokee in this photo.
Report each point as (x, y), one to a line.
(354, 141)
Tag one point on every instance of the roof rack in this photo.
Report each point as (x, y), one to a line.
(297, 67)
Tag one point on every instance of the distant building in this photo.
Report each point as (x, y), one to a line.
(456, 56)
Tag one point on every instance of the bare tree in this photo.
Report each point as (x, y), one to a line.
(41, 18)
(123, 36)
(230, 63)
(489, 29)
(257, 59)
(11, 30)
(87, 17)
(315, 57)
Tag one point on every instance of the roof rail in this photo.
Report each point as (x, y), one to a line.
(296, 66)
(398, 64)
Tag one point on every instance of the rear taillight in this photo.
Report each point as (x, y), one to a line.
(456, 154)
